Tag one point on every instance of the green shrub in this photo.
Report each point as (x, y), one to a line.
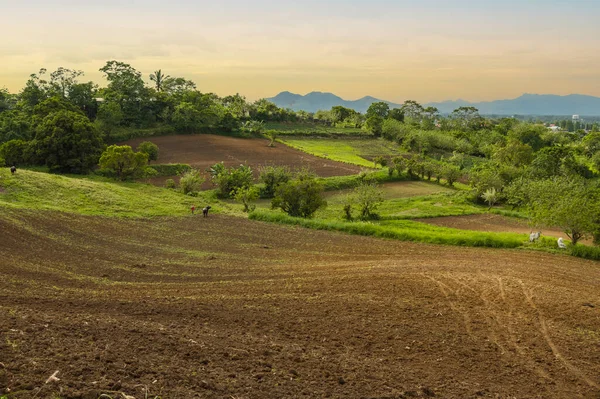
(191, 182)
(272, 177)
(246, 195)
(14, 152)
(300, 197)
(150, 149)
(170, 183)
(229, 180)
(367, 197)
(122, 162)
(583, 251)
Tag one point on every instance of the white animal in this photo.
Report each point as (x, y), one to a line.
(561, 243)
(534, 236)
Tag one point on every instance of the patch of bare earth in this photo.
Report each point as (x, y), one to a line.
(204, 150)
(224, 307)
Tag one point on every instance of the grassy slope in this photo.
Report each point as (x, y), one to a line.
(92, 196)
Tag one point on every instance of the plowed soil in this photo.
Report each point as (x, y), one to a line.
(224, 307)
(204, 150)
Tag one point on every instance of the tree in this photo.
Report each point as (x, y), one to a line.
(191, 182)
(272, 177)
(109, 117)
(396, 114)
(67, 141)
(490, 196)
(149, 149)
(374, 124)
(246, 195)
(229, 180)
(159, 79)
(14, 152)
(451, 173)
(368, 197)
(412, 109)
(123, 162)
(379, 109)
(567, 203)
(340, 114)
(300, 197)
(62, 81)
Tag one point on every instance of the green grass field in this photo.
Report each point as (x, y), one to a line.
(93, 195)
(351, 150)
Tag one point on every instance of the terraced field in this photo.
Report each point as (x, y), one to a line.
(225, 307)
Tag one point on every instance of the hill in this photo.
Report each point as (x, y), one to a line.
(316, 100)
(527, 104)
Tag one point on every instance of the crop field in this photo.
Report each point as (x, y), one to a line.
(204, 150)
(225, 307)
(348, 150)
(313, 129)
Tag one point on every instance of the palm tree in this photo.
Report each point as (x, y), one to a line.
(159, 78)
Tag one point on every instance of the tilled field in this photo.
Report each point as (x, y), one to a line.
(204, 150)
(224, 307)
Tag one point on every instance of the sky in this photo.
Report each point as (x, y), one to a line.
(427, 50)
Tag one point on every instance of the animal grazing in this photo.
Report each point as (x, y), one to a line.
(561, 243)
(13, 169)
(533, 237)
(205, 211)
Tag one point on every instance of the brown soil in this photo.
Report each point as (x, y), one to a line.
(491, 222)
(224, 307)
(204, 150)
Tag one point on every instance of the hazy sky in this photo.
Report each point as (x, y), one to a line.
(425, 50)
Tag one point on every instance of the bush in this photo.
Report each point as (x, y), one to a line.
(14, 152)
(171, 169)
(272, 177)
(229, 180)
(191, 182)
(170, 183)
(583, 251)
(246, 195)
(300, 197)
(121, 161)
(368, 197)
(150, 149)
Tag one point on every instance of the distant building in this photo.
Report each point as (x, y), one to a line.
(576, 118)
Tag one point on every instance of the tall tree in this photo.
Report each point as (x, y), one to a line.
(159, 79)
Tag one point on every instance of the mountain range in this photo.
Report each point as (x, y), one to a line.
(527, 104)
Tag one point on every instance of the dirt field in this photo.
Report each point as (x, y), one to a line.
(402, 189)
(491, 222)
(229, 308)
(204, 150)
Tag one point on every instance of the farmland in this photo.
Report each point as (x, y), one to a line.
(203, 151)
(226, 307)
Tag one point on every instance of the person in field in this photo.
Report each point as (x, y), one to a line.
(13, 169)
(193, 208)
(561, 243)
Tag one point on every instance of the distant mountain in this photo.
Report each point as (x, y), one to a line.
(316, 100)
(527, 104)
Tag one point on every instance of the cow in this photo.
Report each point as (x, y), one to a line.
(205, 211)
(533, 237)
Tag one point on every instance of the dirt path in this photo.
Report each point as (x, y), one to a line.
(229, 308)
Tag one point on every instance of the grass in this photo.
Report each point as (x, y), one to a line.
(401, 230)
(351, 150)
(92, 195)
